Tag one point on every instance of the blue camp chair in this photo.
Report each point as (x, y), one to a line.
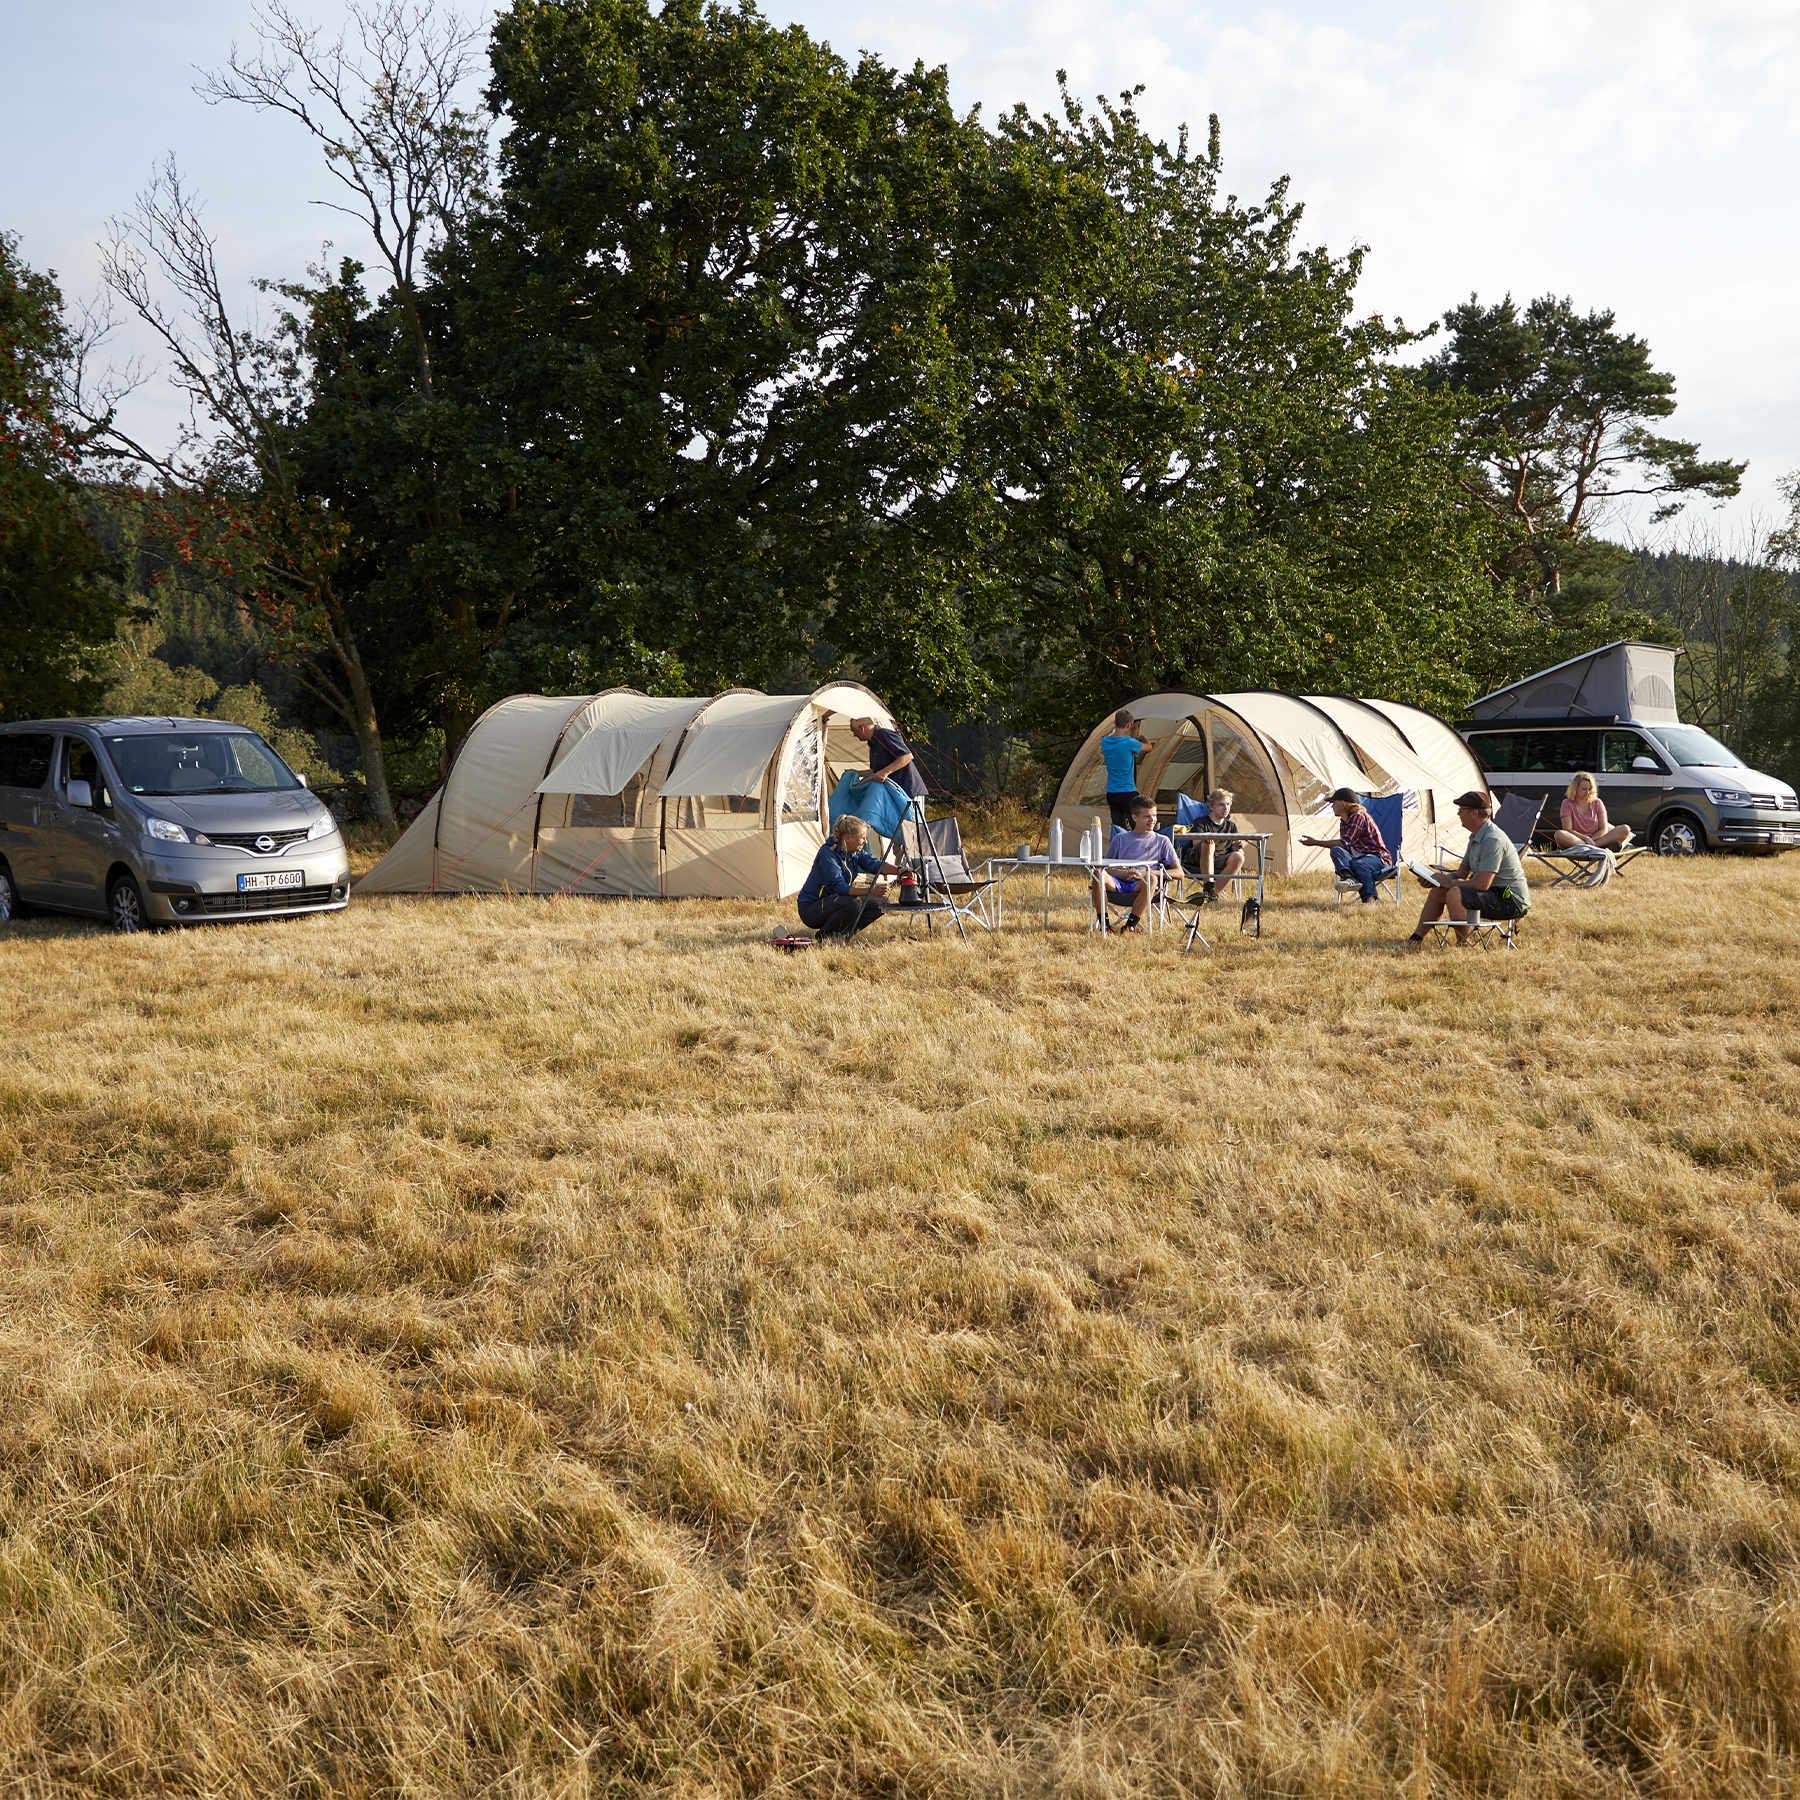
(1389, 813)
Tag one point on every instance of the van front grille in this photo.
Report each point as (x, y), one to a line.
(281, 899)
(246, 840)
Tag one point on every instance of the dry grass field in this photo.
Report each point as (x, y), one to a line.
(559, 1348)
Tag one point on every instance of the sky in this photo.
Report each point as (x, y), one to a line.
(1636, 155)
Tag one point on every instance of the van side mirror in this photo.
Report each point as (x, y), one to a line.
(81, 794)
(1645, 765)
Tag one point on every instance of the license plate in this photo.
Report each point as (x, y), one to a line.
(265, 879)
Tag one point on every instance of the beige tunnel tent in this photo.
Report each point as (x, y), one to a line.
(635, 794)
(1281, 755)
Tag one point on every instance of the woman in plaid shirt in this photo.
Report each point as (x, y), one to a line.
(1357, 851)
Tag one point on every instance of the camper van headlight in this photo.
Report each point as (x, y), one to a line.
(322, 826)
(168, 832)
(1728, 797)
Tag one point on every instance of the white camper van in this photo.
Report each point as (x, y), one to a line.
(1612, 714)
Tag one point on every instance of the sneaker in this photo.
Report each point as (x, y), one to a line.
(1132, 923)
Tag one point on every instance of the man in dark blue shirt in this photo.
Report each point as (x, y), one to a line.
(890, 757)
(842, 892)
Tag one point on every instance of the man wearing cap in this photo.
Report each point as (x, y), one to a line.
(1489, 884)
(1357, 852)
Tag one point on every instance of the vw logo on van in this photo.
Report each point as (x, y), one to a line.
(265, 843)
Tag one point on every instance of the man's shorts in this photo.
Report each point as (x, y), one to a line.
(1121, 807)
(1494, 903)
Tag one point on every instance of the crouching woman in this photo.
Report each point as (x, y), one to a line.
(843, 892)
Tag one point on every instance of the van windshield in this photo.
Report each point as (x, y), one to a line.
(199, 762)
(1694, 748)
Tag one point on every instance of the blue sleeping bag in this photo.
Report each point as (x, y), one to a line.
(881, 805)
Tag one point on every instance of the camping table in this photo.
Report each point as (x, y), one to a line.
(1000, 867)
(1261, 841)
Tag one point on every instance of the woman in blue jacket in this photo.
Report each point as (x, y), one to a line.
(827, 904)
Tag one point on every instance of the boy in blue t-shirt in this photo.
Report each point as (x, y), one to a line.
(1120, 750)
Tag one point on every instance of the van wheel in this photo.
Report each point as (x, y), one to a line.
(1678, 834)
(124, 904)
(9, 896)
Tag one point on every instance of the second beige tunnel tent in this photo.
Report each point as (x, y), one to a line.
(1282, 755)
(624, 793)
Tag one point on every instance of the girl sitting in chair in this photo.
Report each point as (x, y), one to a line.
(1584, 820)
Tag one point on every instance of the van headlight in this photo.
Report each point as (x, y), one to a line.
(168, 832)
(323, 826)
(1728, 797)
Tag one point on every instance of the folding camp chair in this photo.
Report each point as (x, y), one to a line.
(1389, 812)
(1518, 818)
(1118, 906)
(947, 886)
(1585, 865)
(1190, 904)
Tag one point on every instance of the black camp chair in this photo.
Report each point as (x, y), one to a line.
(947, 888)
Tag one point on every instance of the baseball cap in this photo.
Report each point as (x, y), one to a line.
(1479, 801)
(1343, 794)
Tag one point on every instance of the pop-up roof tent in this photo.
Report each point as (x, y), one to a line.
(629, 793)
(1625, 680)
(1281, 755)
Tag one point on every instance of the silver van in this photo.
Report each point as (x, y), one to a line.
(161, 822)
(1677, 787)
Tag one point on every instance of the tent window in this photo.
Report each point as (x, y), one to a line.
(1185, 771)
(1240, 766)
(800, 798)
(590, 811)
(715, 812)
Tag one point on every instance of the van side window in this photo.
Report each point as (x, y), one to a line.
(25, 758)
(1495, 748)
(1556, 752)
(81, 764)
(1618, 749)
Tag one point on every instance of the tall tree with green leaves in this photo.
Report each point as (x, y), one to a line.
(1562, 417)
(714, 300)
(1187, 457)
(56, 601)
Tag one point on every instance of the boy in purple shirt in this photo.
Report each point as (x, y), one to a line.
(1138, 842)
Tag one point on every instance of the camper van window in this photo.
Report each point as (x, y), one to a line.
(1551, 752)
(1620, 749)
(1495, 748)
(1694, 748)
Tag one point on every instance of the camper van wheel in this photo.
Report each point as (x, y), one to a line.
(124, 904)
(1678, 834)
(9, 896)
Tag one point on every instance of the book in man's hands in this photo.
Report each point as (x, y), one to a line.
(1424, 871)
